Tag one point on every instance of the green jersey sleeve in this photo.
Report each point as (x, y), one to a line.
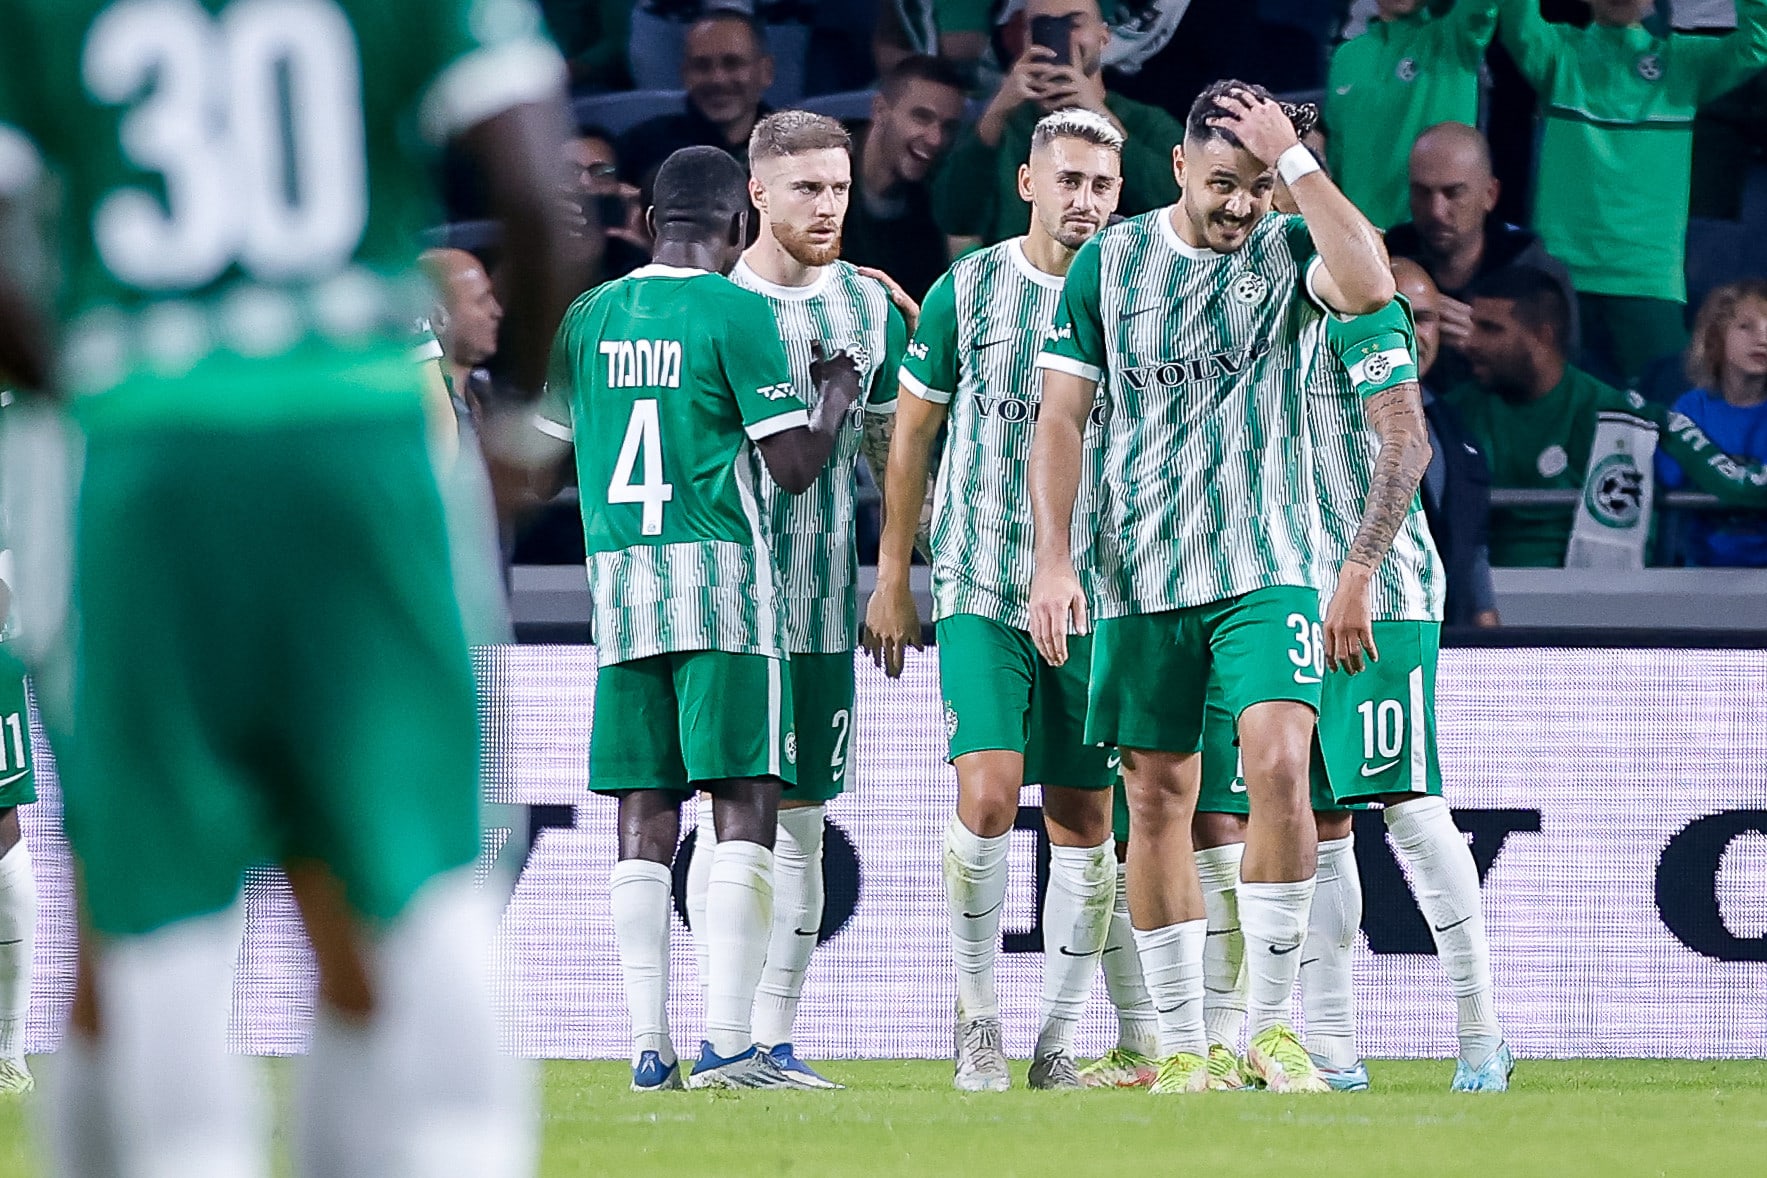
(1537, 46)
(1379, 351)
(552, 414)
(884, 383)
(1075, 343)
(488, 56)
(929, 365)
(756, 368)
(1734, 482)
(1724, 63)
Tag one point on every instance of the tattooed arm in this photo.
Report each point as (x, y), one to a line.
(1397, 416)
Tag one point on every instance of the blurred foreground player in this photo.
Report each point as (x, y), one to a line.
(18, 885)
(237, 181)
(669, 380)
(1011, 718)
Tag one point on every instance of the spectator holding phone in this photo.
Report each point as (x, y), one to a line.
(596, 187)
(975, 197)
(1728, 361)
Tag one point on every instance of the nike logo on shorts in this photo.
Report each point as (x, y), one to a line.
(1238, 786)
(6, 781)
(1377, 770)
(1303, 677)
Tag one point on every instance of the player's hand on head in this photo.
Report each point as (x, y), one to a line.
(1058, 607)
(892, 627)
(1349, 627)
(904, 301)
(1259, 124)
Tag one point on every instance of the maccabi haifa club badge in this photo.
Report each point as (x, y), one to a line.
(1615, 492)
(1377, 367)
(1250, 288)
(950, 720)
(1406, 71)
(791, 747)
(1650, 67)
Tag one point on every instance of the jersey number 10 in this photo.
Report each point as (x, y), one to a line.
(252, 119)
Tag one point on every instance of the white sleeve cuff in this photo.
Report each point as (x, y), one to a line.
(882, 408)
(766, 428)
(1072, 367)
(487, 82)
(913, 385)
(553, 429)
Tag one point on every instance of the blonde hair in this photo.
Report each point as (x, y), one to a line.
(1076, 122)
(793, 132)
(1705, 355)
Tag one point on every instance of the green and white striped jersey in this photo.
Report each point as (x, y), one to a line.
(1373, 354)
(812, 534)
(976, 350)
(1205, 359)
(665, 378)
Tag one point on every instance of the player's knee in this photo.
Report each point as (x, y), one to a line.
(1160, 804)
(1333, 824)
(1083, 815)
(989, 808)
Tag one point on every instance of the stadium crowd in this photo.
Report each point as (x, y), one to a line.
(1601, 156)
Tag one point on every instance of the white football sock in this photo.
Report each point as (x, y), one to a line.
(339, 1101)
(1446, 882)
(1076, 920)
(639, 893)
(1273, 918)
(74, 1113)
(166, 999)
(699, 874)
(18, 931)
(1172, 962)
(975, 886)
(1136, 1029)
(739, 920)
(1327, 958)
(456, 1106)
(1224, 975)
(797, 916)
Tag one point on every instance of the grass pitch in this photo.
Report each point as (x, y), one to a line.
(1609, 1118)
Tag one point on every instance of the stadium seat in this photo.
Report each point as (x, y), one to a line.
(849, 106)
(621, 112)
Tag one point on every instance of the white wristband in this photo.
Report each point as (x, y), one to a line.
(1294, 163)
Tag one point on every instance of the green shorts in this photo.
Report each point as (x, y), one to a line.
(1151, 672)
(269, 663)
(1223, 779)
(17, 784)
(1378, 727)
(671, 721)
(822, 705)
(1000, 694)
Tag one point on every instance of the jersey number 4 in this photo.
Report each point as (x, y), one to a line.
(252, 120)
(642, 448)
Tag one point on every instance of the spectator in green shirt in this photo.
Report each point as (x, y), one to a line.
(1534, 414)
(1611, 197)
(975, 196)
(1412, 69)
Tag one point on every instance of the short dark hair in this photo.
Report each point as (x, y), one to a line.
(1538, 298)
(921, 68)
(596, 131)
(697, 193)
(1208, 105)
(755, 25)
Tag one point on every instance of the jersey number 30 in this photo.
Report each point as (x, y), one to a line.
(253, 121)
(642, 448)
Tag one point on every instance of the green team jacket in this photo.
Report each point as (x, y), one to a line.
(976, 193)
(1611, 194)
(1390, 84)
(1545, 445)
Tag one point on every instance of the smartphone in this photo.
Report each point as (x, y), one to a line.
(610, 211)
(1056, 34)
